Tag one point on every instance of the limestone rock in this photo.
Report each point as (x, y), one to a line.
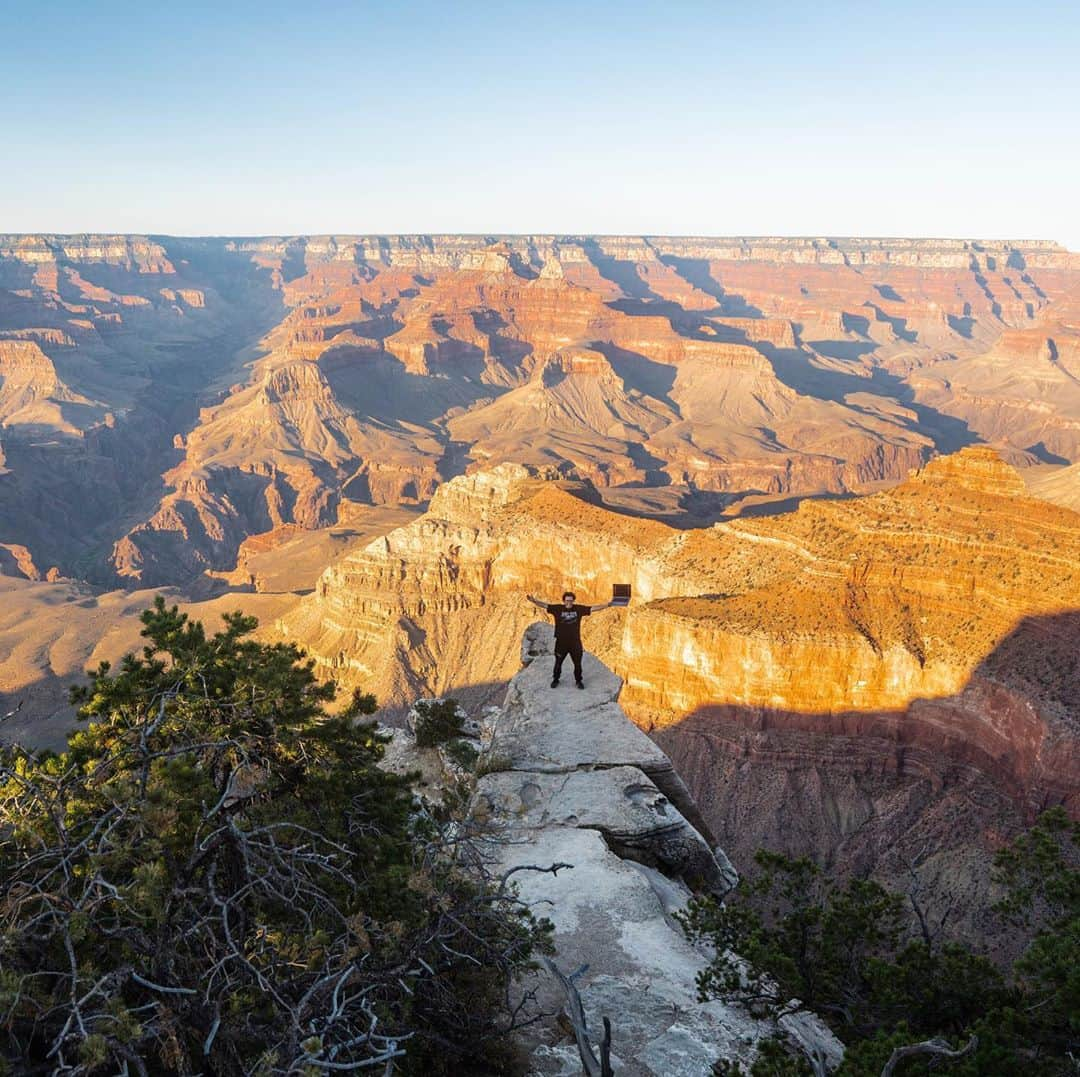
(635, 819)
(561, 729)
(568, 785)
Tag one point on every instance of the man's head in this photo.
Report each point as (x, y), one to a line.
(568, 598)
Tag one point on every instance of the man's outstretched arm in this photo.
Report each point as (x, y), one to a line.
(604, 606)
(536, 602)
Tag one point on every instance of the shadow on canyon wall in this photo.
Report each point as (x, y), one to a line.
(929, 792)
(1016, 722)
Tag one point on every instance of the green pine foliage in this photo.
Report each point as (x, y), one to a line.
(463, 754)
(216, 878)
(853, 954)
(437, 721)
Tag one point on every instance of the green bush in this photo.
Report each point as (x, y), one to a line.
(846, 952)
(437, 721)
(216, 877)
(463, 753)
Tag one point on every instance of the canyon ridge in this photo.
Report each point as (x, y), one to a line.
(840, 474)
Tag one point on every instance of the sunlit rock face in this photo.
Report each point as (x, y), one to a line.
(439, 604)
(910, 589)
(817, 676)
(890, 571)
(192, 393)
(914, 613)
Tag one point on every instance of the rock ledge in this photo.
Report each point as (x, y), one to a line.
(570, 779)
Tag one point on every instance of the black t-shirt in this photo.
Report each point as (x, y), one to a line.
(568, 623)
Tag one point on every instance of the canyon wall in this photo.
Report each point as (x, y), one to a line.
(884, 681)
(888, 598)
(107, 346)
(186, 394)
(866, 677)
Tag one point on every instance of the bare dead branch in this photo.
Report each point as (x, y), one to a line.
(936, 1046)
(576, 1012)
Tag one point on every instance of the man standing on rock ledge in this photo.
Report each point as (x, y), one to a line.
(567, 631)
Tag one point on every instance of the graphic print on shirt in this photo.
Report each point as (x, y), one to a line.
(568, 624)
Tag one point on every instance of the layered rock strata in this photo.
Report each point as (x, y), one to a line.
(196, 392)
(437, 606)
(108, 344)
(875, 681)
(853, 607)
(928, 615)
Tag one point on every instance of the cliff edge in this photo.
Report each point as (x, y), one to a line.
(571, 780)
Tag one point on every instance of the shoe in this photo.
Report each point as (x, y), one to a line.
(555, 683)
(580, 684)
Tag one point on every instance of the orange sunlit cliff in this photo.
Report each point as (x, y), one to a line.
(863, 605)
(840, 475)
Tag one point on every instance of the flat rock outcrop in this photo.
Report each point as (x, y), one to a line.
(572, 781)
(571, 757)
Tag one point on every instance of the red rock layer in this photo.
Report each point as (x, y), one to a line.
(334, 369)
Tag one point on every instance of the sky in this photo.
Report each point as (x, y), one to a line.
(756, 118)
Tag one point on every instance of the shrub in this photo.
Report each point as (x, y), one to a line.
(437, 721)
(846, 952)
(216, 877)
(462, 753)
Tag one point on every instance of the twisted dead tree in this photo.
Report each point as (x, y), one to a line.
(592, 1066)
(936, 1047)
(216, 878)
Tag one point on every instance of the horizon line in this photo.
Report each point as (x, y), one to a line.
(550, 235)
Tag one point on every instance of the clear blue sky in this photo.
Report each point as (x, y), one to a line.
(868, 118)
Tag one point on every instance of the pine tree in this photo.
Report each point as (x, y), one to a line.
(216, 877)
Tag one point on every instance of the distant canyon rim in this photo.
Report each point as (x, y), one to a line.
(842, 475)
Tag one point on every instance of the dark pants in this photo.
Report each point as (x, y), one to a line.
(561, 651)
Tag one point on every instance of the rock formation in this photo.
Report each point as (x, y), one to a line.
(246, 385)
(106, 343)
(569, 781)
(1060, 485)
(573, 759)
(910, 589)
(816, 676)
(243, 412)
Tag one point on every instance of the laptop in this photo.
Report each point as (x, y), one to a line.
(620, 594)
